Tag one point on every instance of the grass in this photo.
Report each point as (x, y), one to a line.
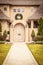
(4, 48)
(37, 51)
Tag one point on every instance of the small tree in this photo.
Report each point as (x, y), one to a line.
(33, 35)
(40, 27)
(0, 29)
(2, 37)
(5, 34)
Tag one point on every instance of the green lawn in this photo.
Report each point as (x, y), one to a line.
(37, 51)
(4, 48)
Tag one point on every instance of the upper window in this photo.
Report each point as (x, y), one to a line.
(35, 24)
(22, 10)
(18, 10)
(5, 8)
(14, 10)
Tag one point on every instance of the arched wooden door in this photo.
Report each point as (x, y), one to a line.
(19, 33)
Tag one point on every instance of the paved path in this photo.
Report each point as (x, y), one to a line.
(19, 54)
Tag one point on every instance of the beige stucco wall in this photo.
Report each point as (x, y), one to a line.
(28, 11)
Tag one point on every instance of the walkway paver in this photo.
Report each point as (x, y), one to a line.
(19, 54)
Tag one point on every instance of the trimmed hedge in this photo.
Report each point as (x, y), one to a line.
(2, 42)
(39, 42)
(38, 38)
(2, 38)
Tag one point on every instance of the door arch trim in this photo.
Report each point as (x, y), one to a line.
(20, 23)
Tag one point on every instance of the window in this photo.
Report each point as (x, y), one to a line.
(18, 17)
(35, 24)
(8, 32)
(8, 40)
(18, 10)
(29, 24)
(14, 10)
(22, 10)
(5, 8)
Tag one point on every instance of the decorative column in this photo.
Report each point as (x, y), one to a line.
(26, 33)
(31, 28)
(31, 24)
(12, 33)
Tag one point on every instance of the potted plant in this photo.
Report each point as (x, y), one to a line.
(33, 35)
(4, 35)
(0, 28)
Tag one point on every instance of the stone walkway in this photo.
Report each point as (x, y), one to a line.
(19, 54)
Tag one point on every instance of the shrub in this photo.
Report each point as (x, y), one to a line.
(38, 42)
(0, 28)
(4, 34)
(33, 33)
(39, 38)
(3, 37)
(40, 26)
(2, 42)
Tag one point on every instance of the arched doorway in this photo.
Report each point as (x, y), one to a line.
(19, 33)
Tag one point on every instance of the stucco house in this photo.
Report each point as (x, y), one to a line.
(15, 16)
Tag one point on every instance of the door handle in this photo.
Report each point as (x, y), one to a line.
(19, 34)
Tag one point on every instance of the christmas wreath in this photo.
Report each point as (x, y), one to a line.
(18, 17)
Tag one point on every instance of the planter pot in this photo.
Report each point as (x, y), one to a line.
(32, 38)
